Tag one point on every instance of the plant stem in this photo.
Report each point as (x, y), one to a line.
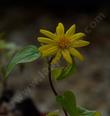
(51, 83)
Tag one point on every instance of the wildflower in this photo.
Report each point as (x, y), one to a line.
(62, 44)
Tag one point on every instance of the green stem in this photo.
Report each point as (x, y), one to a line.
(51, 83)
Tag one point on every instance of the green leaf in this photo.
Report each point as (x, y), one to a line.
(56, 72)
(85, 112)
(62, 73)
(69, 70)
(68, 102)
(27, 54)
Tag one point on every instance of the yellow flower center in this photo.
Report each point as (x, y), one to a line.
(64, 43)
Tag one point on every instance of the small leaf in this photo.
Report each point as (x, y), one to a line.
(68, 102)
(85, 112)
(27, 54)
(69, 70)
(56, 72)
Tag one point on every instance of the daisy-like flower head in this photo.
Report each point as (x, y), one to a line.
(62, 43)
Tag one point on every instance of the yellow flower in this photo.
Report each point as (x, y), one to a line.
(62, 44)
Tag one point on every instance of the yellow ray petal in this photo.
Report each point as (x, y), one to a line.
(44, 47)
(70, 31)
(56, 58)
(48, 34)
(77, 36)
(47, 50)
(60, 30)
(80, 43)
(75, 53)
(67, 56)
(45, 40)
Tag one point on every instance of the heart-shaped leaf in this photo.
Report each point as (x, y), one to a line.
(68, 102)
(27, 54)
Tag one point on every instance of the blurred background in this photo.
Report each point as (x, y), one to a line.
(21, 22)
